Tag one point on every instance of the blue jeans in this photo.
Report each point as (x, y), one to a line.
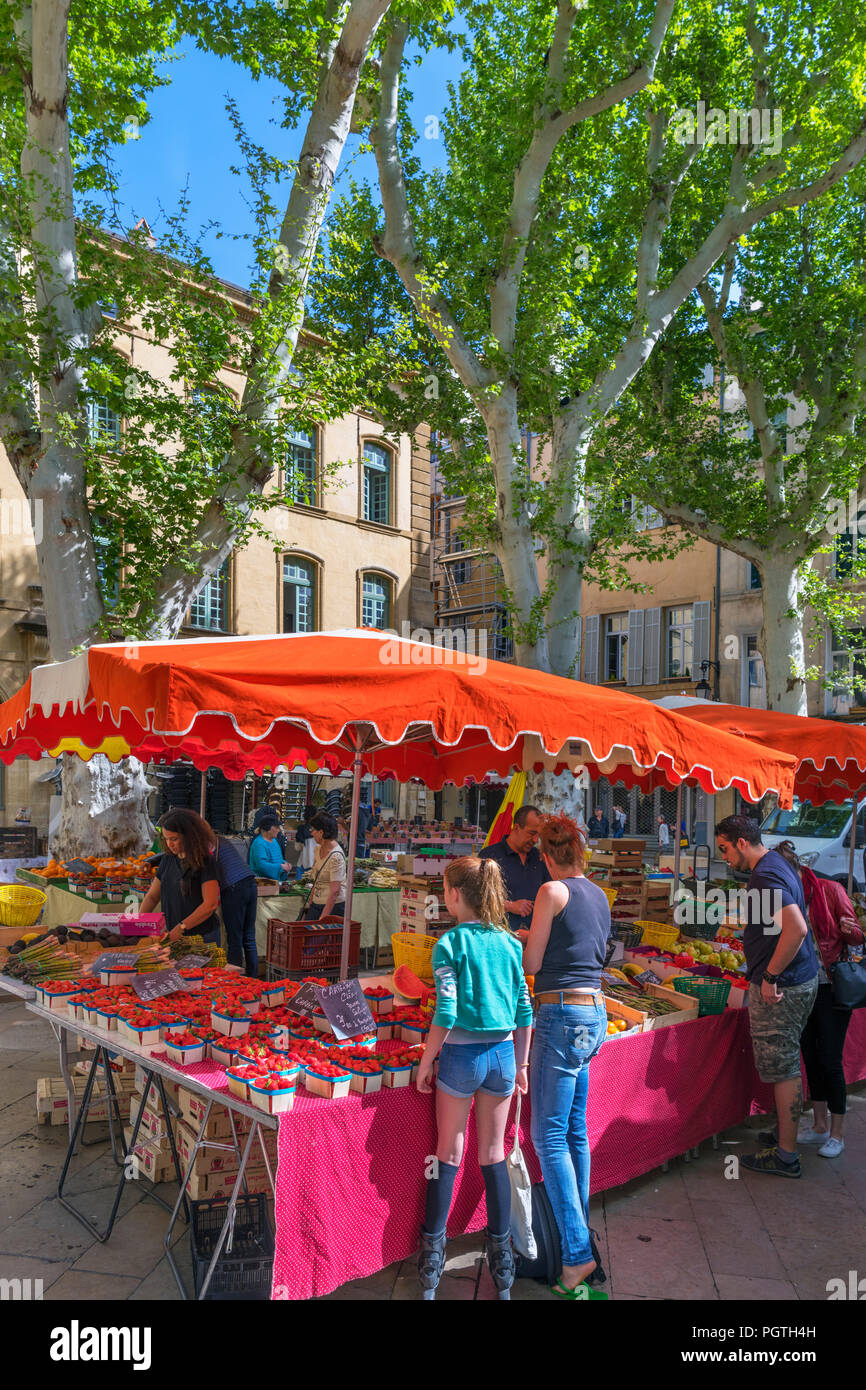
(239, 904)
(465, 1068)
(566, 1039)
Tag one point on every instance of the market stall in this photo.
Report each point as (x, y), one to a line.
(341, 701)
(375, 908)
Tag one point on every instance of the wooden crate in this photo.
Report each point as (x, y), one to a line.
(636, 1020)
(687, 1007)
(621, 846)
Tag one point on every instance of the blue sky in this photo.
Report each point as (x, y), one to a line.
(189, 140)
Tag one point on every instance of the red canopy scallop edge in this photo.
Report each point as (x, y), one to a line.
(416, 710)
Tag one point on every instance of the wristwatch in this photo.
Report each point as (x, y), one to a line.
(770, 979)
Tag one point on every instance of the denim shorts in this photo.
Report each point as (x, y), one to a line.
(465, 1068)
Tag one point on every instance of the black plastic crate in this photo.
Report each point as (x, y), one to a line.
(246, 1272)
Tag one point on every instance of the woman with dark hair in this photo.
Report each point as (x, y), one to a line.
(833, 920)
(565, 950)
(186, 886)
(328, 892)
(201, 865)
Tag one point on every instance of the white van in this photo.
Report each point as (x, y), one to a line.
(821, 836)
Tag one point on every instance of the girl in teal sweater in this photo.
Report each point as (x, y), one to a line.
(481, 998)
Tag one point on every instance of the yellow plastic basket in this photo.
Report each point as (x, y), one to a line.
(416, 951)
(657, 934)
(20, 906)
(609, 893)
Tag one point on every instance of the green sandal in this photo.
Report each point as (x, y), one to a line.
(582, 1293)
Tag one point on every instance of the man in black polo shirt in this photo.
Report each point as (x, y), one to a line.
(522, 866)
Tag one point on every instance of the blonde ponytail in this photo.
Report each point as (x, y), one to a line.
(481, 883)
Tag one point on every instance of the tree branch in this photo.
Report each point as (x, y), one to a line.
(550, 126)
(398, 244)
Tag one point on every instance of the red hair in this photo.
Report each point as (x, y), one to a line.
(563, 841)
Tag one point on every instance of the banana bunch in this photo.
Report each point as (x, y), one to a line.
(630, 969)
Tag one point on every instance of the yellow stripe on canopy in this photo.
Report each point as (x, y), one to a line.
(112, 748)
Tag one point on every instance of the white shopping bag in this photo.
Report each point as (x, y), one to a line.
(521, 1195)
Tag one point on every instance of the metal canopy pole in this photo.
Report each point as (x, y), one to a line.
(350, 867)
(855, 805)
(677, 846)
(203, 798)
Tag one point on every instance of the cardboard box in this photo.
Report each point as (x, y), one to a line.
(154, 1160)
(172, 1088)
(219, 1160)
(192, 1108)
(152, 1123)
(52, 1106)
(216, 1186)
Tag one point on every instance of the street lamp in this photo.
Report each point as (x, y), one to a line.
(703, 690)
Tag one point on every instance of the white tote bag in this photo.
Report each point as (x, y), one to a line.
(521, 1195)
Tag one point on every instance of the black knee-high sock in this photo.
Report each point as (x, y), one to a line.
(497, 1189)
(440, 1190)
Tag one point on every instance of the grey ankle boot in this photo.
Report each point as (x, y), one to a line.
(431, 1262)
(500, 1258)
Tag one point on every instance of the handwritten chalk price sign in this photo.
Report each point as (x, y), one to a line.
(157, 983)
(113, 960)
(304, 1001)
(346, 1009)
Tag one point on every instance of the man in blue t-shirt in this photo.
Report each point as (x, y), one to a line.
(782, 970)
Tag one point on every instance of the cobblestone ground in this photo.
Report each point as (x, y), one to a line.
(689, 1233)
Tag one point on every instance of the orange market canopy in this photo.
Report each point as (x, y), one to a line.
(831, 755)
(410, 709)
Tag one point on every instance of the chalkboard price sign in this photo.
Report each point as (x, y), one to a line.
(78, 866)
(157, 983)
(193, 962)
(346, 1009)
(305, 1001)
(112, 960)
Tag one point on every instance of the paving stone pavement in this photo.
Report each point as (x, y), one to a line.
(688, 1234)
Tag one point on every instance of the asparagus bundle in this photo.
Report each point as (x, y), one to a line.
(44, 960)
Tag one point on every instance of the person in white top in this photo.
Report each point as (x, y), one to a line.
(664, 833)
(329, 870)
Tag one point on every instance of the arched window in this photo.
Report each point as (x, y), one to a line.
(377, 484)
(375, 601)
(300, 471)
(299, 594)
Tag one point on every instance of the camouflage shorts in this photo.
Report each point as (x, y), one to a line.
(776, 1029)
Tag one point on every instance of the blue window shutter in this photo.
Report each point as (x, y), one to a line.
(701, 617)
(652, 645)
(635, 647)
(590, 653)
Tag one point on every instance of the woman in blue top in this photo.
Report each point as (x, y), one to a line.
(481, 997)
(565, 951)
(266, 857)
